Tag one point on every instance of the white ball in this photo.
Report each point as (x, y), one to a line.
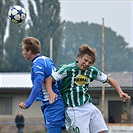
(17, 14)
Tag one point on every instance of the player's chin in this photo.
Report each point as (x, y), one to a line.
(26, 58)
(83, 68)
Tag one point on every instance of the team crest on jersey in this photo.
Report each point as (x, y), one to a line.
(81, 80)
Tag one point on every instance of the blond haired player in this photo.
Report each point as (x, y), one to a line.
(81, 115)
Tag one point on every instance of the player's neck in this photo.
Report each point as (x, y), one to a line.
(33, 56)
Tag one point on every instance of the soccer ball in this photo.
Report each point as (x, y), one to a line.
(17, 14)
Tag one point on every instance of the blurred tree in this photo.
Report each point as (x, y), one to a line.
(0, 31)
(3, 13)
(45, 23)
(12, 60)
(117, 53)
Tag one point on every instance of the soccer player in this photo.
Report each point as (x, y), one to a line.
(41, 69)
(81, 115)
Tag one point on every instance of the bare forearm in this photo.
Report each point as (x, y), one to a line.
(48, 86)
(116, 86)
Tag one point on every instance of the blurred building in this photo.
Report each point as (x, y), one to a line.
(16, 87)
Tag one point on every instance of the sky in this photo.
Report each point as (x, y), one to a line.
(116, 14)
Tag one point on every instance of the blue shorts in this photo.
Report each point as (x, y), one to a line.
(54, 114)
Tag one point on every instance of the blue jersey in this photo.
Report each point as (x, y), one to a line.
(41, 69)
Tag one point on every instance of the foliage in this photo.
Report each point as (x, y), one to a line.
(0, 33)
(117, 53)
(12, 59)
(43, 25)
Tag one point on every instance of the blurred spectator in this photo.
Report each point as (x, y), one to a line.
(19, 120)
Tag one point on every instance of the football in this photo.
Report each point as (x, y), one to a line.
(17, 14)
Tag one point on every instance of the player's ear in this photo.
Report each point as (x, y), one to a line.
(29, 52)
(79, 57)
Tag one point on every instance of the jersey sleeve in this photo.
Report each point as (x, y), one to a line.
(101, 77)
(60, 73)
(49, 67)
(38, 72)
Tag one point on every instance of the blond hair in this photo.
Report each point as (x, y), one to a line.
(85, 49)
(32, 44)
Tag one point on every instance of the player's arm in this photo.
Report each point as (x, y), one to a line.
(50, 67)
(48, 85)
(34, 93)
(55, 76)
(104, 78)
(114, 84)
(35, 90)
(37, 86)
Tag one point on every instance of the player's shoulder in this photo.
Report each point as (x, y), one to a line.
(39, 58)
(43, 59)
(39, 61)
(68, 65)
(93, 68)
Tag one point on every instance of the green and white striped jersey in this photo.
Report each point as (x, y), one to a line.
(75, 83)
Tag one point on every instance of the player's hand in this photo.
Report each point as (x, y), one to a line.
(52, 97)
(22, 105)
(125, 97)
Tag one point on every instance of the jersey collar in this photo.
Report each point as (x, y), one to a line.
(36, 57)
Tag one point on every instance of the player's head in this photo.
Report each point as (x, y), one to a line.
(86, 56)
(30, 46)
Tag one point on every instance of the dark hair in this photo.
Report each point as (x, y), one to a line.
(85, 49)
(32, 44)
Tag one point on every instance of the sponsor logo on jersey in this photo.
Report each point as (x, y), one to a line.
(81, 80)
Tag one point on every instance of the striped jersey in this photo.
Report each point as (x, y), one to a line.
(75, 83)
